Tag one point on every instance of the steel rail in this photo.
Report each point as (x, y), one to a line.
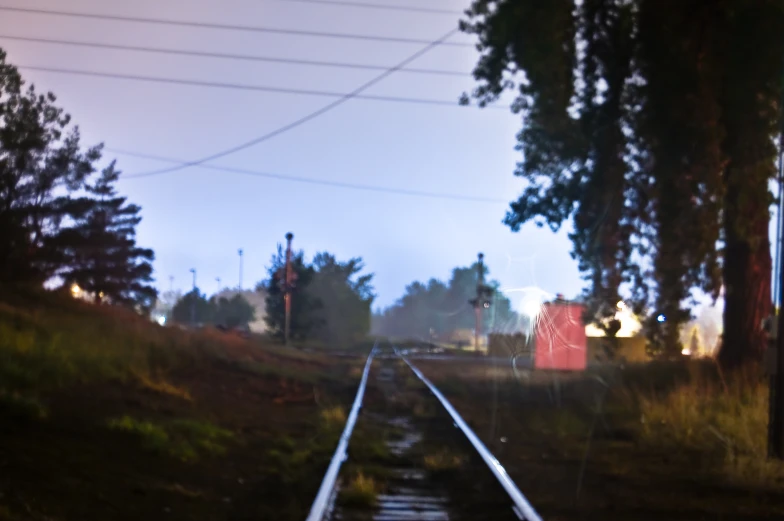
(321, 502)
(522, 507)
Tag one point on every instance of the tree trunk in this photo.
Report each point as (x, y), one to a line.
(747, 298)
(750, 117)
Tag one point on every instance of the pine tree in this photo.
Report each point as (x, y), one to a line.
(100, 247)
(40, 160)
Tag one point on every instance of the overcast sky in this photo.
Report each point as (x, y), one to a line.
(197, 218)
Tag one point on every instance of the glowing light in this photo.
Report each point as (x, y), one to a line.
(620, 305)
(661, 318)
(531, 307)
(686, 351)
(75, 290)
(162, 320)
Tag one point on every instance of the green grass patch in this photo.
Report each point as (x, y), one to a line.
(368, 446)
(186, 440)
(17, 406)
(49, 341)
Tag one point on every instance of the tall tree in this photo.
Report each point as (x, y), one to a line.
(345, 297)
(649, 123)
(232, 312)
(679, 135)
(40, 160)
(193, 308)
(751, 103)
(100, 250)
(574, 106)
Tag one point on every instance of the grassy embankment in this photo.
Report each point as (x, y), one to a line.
(649, 442)
(104, 415)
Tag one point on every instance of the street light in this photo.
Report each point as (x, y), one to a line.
(239, 286)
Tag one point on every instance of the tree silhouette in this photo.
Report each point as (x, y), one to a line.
(100, 250)
(649, 123)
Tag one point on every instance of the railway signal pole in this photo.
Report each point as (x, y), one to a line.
(482, 300)
(287, 287)
(194, 295)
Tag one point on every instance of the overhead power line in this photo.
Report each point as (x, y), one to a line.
(389, 7)
(310, 180)
(230, 56)
(241, 86)
(313, 115)
(228, 27)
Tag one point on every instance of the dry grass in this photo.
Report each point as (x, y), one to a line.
(356, 371)
(442, 460)
(727, 418)
(333, 418)
(361, 491)
(161, 386)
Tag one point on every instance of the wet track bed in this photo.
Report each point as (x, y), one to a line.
(408, 461)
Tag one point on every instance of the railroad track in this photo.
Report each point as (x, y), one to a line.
(406, 454)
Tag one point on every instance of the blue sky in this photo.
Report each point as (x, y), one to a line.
(198, 218)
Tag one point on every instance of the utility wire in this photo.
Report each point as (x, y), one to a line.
(390, 7)
(242, 86)
(245, 57)
(310, 180)
(228, 27)
(308, 117)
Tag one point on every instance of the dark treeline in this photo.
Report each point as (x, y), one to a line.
(194, 308)
(331, 302)
(436, 308)
(61, 218)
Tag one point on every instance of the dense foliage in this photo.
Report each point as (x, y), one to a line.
(331, 300)
(57, 220)
(345, 297)
(194, 308)
(650, 124)
(437, 309)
